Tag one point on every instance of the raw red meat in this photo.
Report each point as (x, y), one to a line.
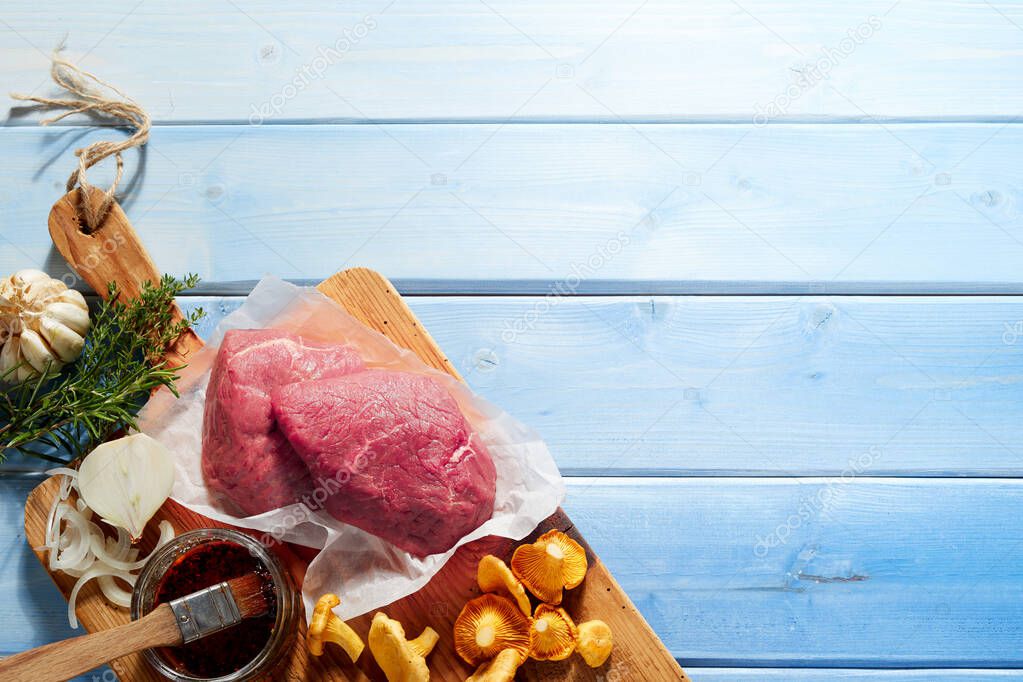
(408, 466)
(245, 458)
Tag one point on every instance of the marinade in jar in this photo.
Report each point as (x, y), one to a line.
(229, 650)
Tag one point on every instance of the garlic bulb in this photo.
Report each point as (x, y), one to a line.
(42, 324)
(127, 480)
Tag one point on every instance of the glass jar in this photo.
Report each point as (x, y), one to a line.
(285, 626)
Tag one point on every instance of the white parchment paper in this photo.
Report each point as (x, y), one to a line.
(365, 571)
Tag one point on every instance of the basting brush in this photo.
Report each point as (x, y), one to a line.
(174, 623)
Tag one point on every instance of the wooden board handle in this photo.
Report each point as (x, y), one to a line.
(64, 660)
(111, 253)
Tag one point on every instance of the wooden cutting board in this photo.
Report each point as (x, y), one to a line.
(638, 653)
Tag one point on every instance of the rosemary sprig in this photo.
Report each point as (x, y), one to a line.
(62, 416)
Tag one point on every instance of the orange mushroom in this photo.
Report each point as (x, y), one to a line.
(554, 634)
(493, 575)
(488, 625)
(501, 669)
(327, 627)
(553, 563)
(401, 660)
(594, 642)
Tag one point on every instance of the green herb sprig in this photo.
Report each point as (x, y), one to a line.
(61, 417)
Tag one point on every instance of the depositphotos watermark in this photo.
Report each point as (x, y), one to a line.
(817, 504)
(326, 57)
(578, 273)
(93, 258)
(1012, 333)
(311, 502)
(812, 74)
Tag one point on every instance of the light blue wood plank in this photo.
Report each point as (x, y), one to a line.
(696, 385)
(580, 208)
(744, 385)
(709, 385)
(457, 59)
(879, 573)
(887, 573)
(27, 595)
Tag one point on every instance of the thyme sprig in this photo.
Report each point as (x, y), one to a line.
(61, 416)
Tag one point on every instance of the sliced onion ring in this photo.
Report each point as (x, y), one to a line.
(114, 593)
(77, 550)
(95, 572)
(77, 546)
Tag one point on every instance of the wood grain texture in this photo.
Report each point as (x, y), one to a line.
(445, 59)
(60, 660)
(515, 190)
(828, 675)
(714, 386)
(620, 209)
(940, 562)
(110, 253)
(751, 385)
(371, 299)
(96, 614)
(823, 675)
(795, 572)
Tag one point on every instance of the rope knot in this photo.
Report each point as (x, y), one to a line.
(89, 97)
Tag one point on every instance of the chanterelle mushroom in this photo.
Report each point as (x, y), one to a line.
(327, 627)
(486, 626)
(594, 642)
(501, 669)
(552, 563)
(493, 575)
(401, 660)
(554, 634)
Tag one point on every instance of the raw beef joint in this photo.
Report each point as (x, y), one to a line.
(245, 458)
(408, 467)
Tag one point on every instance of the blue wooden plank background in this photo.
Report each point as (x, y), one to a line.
(522, 208)
(751, 268)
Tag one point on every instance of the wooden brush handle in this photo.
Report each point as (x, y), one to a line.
(64, 660)
(111, 253)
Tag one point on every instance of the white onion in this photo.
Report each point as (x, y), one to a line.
(123, 542)
(119, 558)
(65, 471)
(76, 545)
(127, 480)
(114, 592)
(166, 535)
(75, 551)
(70, 475)
(84, 509)
(95, 571)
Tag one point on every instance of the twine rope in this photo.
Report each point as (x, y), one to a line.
(88, 97)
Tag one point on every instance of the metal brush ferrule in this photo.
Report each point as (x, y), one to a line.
(205, 612)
